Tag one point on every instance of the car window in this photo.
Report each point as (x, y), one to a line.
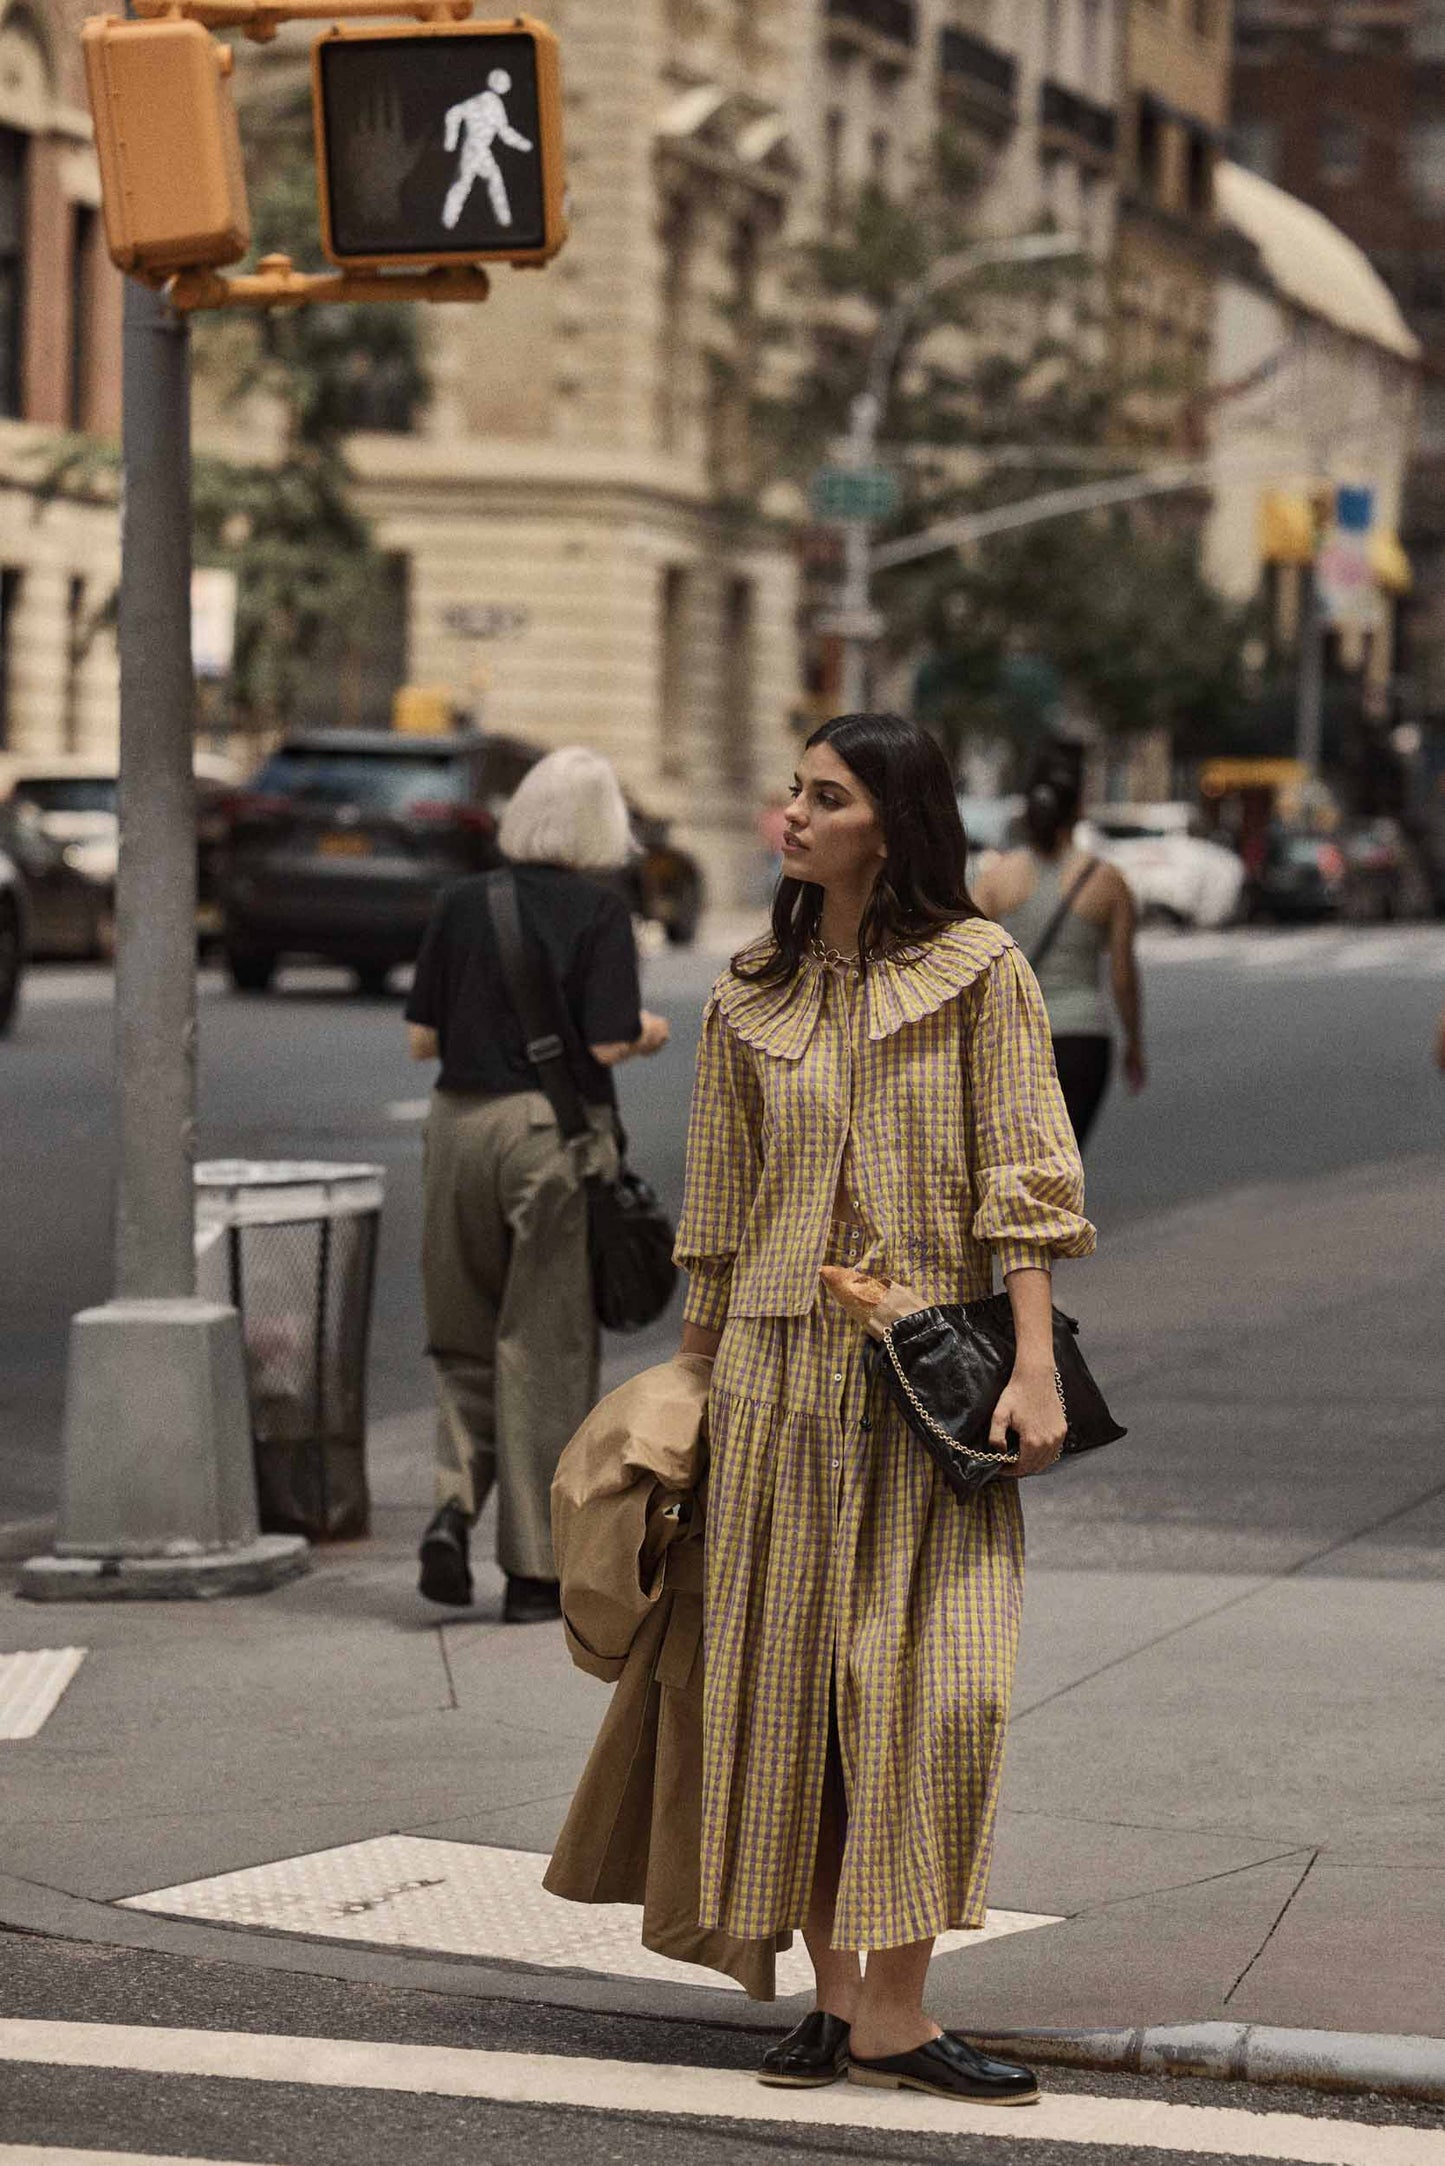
(67, 793)
(385, 782)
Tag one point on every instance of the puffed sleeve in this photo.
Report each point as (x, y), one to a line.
(724, 1160)
(1028, 1182)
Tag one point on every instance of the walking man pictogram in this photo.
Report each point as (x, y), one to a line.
(479, 123)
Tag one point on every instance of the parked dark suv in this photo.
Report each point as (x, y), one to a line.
(343, 842)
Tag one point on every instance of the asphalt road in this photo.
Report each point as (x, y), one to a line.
(1274, 1055)
(315, 2121)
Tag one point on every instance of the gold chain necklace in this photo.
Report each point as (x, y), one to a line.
(833, 958)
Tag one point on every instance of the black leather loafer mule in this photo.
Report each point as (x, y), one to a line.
(949, 2067)
(813, 2054)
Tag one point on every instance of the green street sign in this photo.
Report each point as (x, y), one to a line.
(840, 493)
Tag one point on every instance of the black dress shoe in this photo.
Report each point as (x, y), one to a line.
(446, 1573)
(949, 2067)
(531, 1601)
(810, 2056)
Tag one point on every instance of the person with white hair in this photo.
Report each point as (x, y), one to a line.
(511, 1327)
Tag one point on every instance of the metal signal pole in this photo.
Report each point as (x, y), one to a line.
(159, 1491)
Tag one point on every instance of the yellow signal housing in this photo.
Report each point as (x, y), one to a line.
(173, 189)
(422, 710)
(439, 144)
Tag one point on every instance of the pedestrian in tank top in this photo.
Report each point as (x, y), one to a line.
(1068, 912)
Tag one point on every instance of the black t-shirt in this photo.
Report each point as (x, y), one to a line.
(585, 931)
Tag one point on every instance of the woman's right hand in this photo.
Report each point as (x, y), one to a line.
(656, 1030)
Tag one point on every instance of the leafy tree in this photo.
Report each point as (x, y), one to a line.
(308, 573)
(1001, 389)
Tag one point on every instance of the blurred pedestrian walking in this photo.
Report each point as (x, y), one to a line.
(874, 1087)
(1067, 911)
(510, 1321)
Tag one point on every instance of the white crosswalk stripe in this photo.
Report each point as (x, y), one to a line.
(45, 2154)
(622, 2087)
(31, 1685)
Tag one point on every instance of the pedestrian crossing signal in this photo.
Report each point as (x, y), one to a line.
(439, 143)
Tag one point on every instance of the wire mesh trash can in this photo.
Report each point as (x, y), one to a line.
(293, 1247)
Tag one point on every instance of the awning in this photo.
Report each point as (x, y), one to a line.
(1286, 528)
(1389, 562)
(1218, 777)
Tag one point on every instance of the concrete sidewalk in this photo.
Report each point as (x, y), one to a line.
(1225, 1771)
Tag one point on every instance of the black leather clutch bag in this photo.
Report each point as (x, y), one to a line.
(946, 1369)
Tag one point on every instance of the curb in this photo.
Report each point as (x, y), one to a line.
(1404, 2067)
(23, 1538)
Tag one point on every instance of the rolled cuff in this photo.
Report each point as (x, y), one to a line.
(1024, 1256)
(709, 1288)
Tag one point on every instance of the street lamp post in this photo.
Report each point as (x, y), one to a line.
(858, 622)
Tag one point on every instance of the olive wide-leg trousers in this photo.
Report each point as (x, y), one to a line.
(511, 1327)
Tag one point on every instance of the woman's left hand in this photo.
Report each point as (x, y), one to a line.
(1030, 1406)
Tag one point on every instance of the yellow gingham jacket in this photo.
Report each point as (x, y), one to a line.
(929, 1083)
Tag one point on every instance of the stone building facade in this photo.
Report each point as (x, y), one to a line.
(60, 306)
(1175, 98)
(1318, 377)
(1344, 105)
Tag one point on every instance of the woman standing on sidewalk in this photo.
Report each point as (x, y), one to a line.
(1067, 911)
(875, 1086)
(510, 1322)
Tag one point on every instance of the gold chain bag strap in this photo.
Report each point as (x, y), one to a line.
(946, 1368)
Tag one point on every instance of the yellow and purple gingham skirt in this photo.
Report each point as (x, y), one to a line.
(839, 1566)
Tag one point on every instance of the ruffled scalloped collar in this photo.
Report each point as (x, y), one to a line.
(897, 989)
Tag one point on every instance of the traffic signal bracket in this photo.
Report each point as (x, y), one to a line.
(261, 19)
(276, 283)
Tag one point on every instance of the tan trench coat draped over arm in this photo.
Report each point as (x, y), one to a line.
(627, 1524)
(942, 1109)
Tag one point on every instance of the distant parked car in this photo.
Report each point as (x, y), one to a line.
(344, 839)
(59, 825)
(1172, 873)
(14, 914)
(663, 882)
(990, 823)
(59, 821)
(341, 845)
(1302, 879)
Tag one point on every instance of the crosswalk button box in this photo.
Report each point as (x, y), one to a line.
(173, 189)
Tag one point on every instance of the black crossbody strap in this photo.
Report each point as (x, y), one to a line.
(537, 1002)
(1055, 925)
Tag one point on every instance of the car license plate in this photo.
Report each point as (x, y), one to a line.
(342, 843)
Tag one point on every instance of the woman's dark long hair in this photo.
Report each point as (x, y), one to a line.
(924, 882)
(1053, 796)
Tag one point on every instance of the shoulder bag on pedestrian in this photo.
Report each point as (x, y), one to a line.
(1043, 946)
(629, 1239)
